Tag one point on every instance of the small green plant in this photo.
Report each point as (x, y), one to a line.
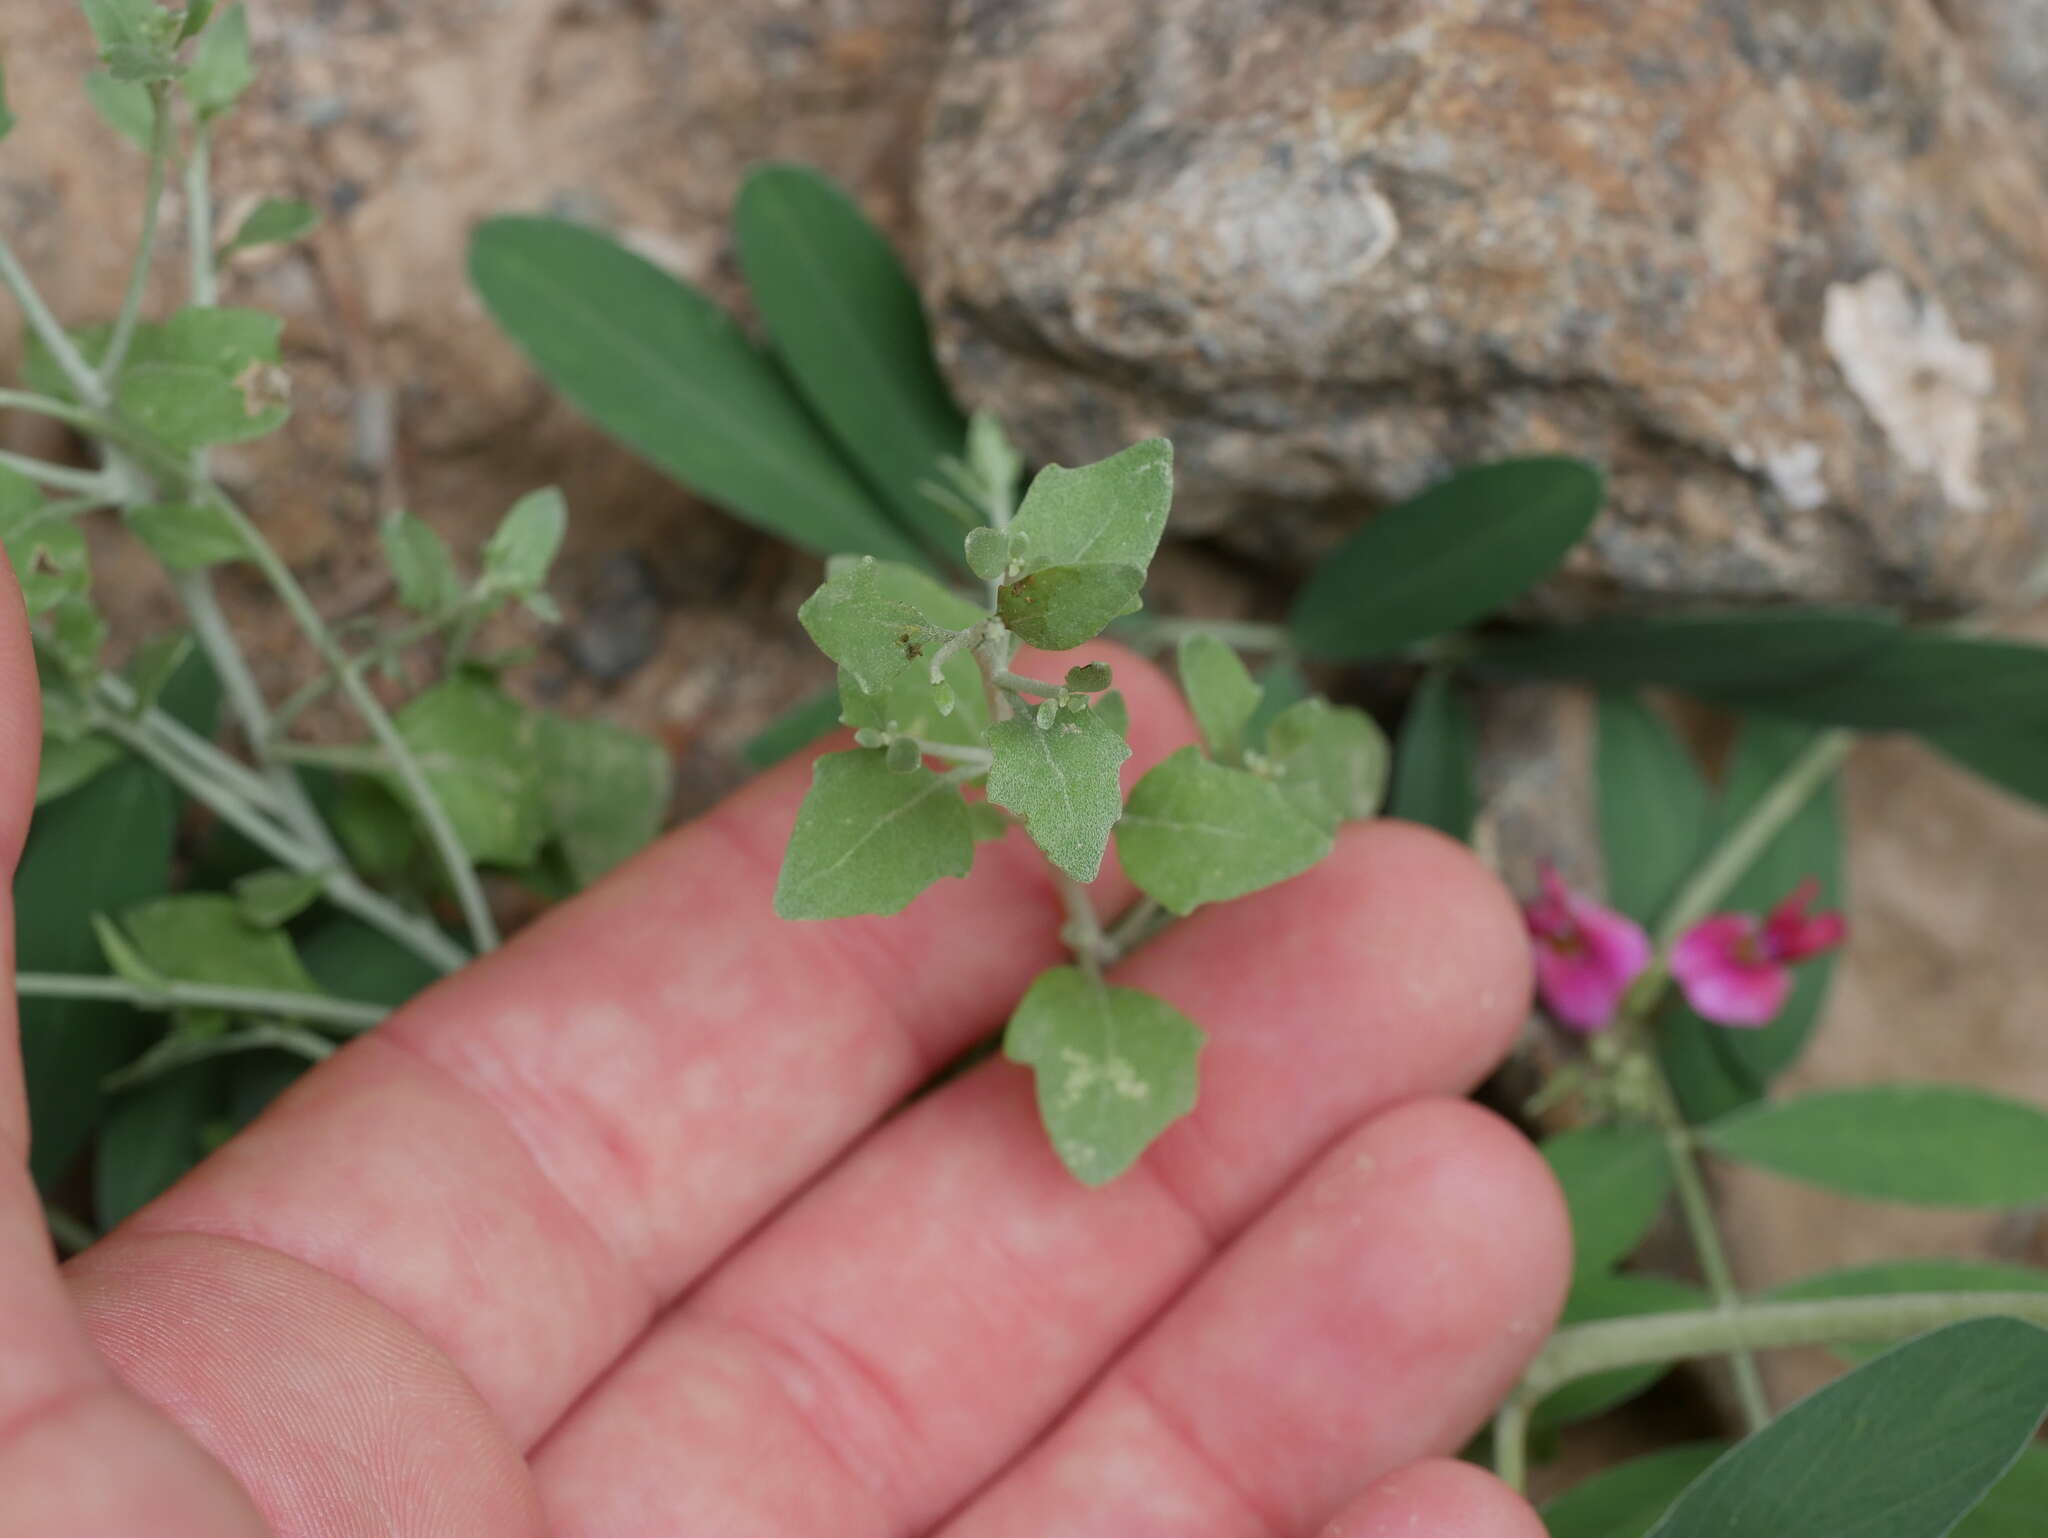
(197, 927)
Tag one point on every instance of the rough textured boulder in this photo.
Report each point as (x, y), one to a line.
(1783, 264)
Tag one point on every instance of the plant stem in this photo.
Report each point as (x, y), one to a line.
(427, 806)
(52, 335)
(177, 1051)
(1581, 1350)
(1139, 923)
(1083, 929)
(145, 250)
(89, 483)
(1511, 1440)
(199, 218)
(314, 1009)
(71, 1233)
(1003, 678)
(978, 758)
(49, 406)
(174, 736)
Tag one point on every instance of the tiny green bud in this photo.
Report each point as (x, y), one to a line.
(869, 737)
(943, 697)
(904, 756)
(1048, 712)
(1088, 677)
(988, 554)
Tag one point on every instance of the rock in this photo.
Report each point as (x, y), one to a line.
(1780, 266)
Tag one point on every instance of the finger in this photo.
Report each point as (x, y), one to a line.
(77, 1454)
(1440, 1497)
(535, 1155)
(1374, 1318)
(926, 1310)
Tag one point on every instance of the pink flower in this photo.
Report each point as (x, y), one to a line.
(1737, 970)
(1586, 955)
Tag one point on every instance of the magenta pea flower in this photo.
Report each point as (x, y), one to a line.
(1736, 969)
(1586, 955)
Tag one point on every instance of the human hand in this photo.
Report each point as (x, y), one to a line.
(613, 1235)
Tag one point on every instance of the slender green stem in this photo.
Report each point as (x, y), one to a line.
(398, 642)
(1003, 678)
(145, 249)
(1511, 1440)
(433, 816)
(1083, 930)
(978, 758)
(346, 758)
(1731, 859)
(199, 218)
(312, 1008)
(1138, 924)
(47, 329)
(87, 483)
(175, 737)
(72, 1234)
(176, 1051)
(1581, 1350)
(49, 406)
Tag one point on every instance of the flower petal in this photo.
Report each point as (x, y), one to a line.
(1711, 964)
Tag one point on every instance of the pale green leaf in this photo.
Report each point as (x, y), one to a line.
(205, 376)
(1110, 513)
(520, 552)
(1220, 692)
(992, 456)
(1330, 761)
(50, 560)
(1900, 1448)
(1061, 607)
(269, 899)
(1115, 1067)
(67, 766)
(864, 628)
(911, 705)
(988, 821)
(988, 554)
(273, 222)
(1062, 782)
(929, 596)
(607, 792)
(187, 536)
(155, 663)
(123, 106)
(480, 753)
(122, 957)
(1935, 1145)
(222, 68)
(203, 938)
(1196, 832)
(421, 563)
(868, 840)
(1616, 1180)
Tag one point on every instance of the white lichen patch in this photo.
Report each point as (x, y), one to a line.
(1082, 1075)
(1921, 382)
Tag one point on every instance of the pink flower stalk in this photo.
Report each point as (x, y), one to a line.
(1586, 955)
(1736, 969)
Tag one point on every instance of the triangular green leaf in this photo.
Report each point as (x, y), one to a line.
(222, 69)
(1220, 692)
(203, 938)
(1062, 781)
(1110, 513)
(273, 222)
(270, 899)
(868, 840)
(1115, 1068)
(1196, 832)
(1330, 761)
(1435, 759)
(480, 753)
(420, 562)
(123, 106)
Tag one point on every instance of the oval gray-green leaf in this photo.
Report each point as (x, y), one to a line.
(1062, 782)
(869, 632)
(1720, 654)
(1933, 1145)
(846, 319)
(1330, 761)
(1448, 557)
(1110, 513)
(868, 840)
(1057, 608)
(1196, 832)
(1615, 1181)
(1115, 1067)
(1221, 692)
(666, 371)
(1901, 1448)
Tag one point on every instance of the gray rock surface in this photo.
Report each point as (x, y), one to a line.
(1781, 264)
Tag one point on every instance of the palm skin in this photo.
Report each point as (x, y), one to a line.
(613, 1236)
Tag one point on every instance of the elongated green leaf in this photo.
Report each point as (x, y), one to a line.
(1062, 782)
(1925, 680)
(222, 69)
(524, 546)
(187, 536)
(123, 106)
(273, 222)
(480, 753)
(1061, 607)
(270, 898)
(795, 729)
(1897, 1276)
(846, 319)
(152, 1136)
(1110, 513)
(868, 839)
(420, 562)
(1901, 1448)
(2014, 758)
(607, 792)
(1115, 1067)
(1448, 557)
(203, 937)
(1626, 1501)
(1615, 1180)
(871, 633)
(1714, 1069)
(1653, 805)
(1613, 1297)
(1330, 761)
(1221, 693)
(1196, 832)
(666, 372)
(1714, 653)
(1936, 1145)
(1435, 759)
